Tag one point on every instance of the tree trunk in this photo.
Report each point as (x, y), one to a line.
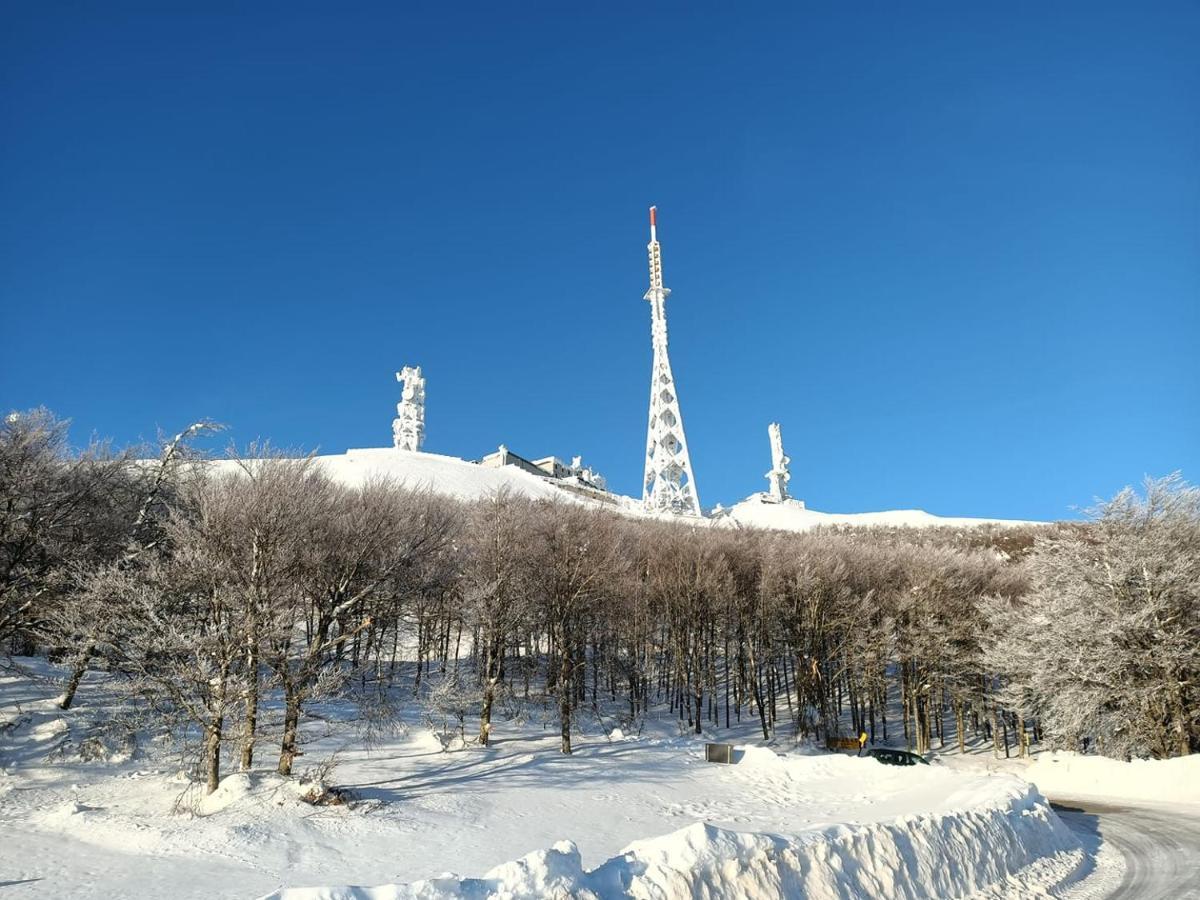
(491, 674)
(291, 727)
(756, 690)
(77, 673)
(1179, 720)
(212, 755)
(213, 730)
(566, 692)
(250, 730)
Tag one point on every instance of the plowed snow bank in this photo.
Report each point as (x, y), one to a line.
(1011, 841)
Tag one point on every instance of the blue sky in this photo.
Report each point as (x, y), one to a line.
(955, 252)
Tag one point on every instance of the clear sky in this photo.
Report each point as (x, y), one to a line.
(955, 252)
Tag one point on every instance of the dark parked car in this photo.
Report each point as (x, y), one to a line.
(897, 757)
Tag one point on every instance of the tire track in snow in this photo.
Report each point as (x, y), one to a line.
(1160, 846)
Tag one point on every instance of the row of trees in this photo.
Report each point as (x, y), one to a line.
(206, 586)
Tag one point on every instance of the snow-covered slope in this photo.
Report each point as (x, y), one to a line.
(463, 480)
(445, 475)
(790, 515)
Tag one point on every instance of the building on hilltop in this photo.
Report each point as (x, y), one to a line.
(547, 467)
(408, 433)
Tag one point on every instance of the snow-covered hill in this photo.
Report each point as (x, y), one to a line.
(758, 512)
(447, 475)
(454, 477)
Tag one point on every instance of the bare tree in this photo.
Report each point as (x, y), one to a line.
(496, 584)
(366, 548)
(577, 553)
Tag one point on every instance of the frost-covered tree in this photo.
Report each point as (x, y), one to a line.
(92, 619)
(1106, 647)
(63, 515)
(195, 613)
(939, 631)
(183, 623)
(266, 511)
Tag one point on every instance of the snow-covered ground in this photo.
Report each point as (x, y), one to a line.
(996, 839)
(462, 480)
(1059, 773)
(1140, 780)
(446, 475)
(85, 814)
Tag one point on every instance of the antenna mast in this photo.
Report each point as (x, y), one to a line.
(779, 476)
(408, 428)
(669, 485)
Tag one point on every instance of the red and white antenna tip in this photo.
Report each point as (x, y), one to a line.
(653, 209)
(653, 223)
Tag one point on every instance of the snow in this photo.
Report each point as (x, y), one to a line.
(1065, 775)
(644, 814)
(792, 515)
(1072, 775)
(445, 475)
(462, 480)
(260, 788)
(408, 428)
(983, 847)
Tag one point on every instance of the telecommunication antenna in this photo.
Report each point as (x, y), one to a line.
(408, 428)
(669, 485)
(779, 476)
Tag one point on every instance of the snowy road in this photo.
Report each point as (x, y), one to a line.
(1160, 845)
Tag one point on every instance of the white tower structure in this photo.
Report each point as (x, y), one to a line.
(408, 428)
(779, 476)
(669, 485)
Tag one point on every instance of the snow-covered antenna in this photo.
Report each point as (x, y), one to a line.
(669, 484)
(779, 476)
(408, 428)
